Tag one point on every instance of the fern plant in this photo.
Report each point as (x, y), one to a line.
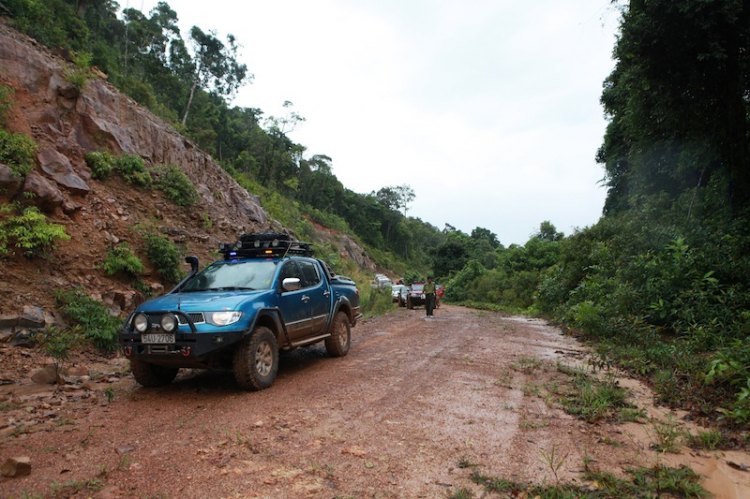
(133, 171)
(17, 152)
(101, 164)
(58, 344)
(29, 232)
(122, 258)
(165, 257)
(89, 317)
(176, 186)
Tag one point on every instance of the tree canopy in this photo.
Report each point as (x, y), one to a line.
(677, 61)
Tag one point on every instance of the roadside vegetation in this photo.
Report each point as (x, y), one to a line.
(659, 286)
(592, 394)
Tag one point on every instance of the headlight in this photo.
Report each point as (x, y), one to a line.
(141, 323)
(168, 323)
(222, 318)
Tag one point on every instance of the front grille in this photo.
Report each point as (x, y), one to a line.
(196, 317)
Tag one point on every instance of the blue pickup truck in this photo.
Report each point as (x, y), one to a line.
(267, 294)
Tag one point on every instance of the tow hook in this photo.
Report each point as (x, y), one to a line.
(185, 351)
(128, 351)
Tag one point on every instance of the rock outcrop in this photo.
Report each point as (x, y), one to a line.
(66, 123)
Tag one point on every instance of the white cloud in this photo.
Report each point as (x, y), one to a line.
(489, 110)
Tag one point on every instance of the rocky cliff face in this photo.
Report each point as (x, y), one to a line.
(66, 124)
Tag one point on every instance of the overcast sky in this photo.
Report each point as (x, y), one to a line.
(488, 109)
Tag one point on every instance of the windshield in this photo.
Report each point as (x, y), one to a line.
(417, 287)
(243, 275)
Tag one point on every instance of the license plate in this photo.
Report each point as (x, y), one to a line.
(157, 338)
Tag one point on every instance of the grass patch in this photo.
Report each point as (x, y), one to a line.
(595, 400)
(657, 481)
(666, 436)
(527, 365)
(706, 440)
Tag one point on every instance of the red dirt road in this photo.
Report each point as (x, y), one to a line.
(392, 419)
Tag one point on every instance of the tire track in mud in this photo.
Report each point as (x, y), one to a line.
(392, 419)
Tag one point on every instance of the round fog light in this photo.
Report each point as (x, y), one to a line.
(140, 322)
(168, 323)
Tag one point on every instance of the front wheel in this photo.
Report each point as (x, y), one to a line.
(337, 345)
(152, 375)
(256, 361)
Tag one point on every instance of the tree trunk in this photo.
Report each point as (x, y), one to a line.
(189, 102)
(733, 137)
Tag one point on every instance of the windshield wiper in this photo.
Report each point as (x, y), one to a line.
(231, 288)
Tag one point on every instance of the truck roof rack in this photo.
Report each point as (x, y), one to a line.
(264, 245)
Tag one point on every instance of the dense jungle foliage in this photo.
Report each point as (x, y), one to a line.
(189, 82)
(661, 281)
(659, 284)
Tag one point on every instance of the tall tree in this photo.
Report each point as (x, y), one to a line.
(677, 100)
(396, 197)
(482, 234)
(451, 255)
(548, 232)
(215, 68)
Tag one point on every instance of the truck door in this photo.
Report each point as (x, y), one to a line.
(294, 305)
(319, 291)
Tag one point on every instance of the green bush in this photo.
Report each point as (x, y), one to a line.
(90, 317)
(17, 152)
(121, 258)
(79, 73)
(54, 23)
(730, 368)
(28, 232)
(375, 302)
(176, 186)
(101, 164)
(133, 171)
(458, 288)
(57, 343)
(165, 256)
(5, 102)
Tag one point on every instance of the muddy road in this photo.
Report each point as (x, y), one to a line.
(414, 398)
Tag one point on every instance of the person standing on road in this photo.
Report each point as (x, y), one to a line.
(429, 294)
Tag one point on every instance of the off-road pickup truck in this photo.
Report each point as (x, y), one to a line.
(267, 294)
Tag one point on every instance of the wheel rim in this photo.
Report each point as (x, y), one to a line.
(263, 359)
(342, 334)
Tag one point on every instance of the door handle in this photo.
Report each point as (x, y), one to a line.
(326, 293)
(305, 298)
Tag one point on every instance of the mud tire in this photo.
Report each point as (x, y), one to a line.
(337, 345)
(256, 361)
(152, 375)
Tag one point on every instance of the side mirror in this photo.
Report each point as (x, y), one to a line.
(193, 261)
(291, 284)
